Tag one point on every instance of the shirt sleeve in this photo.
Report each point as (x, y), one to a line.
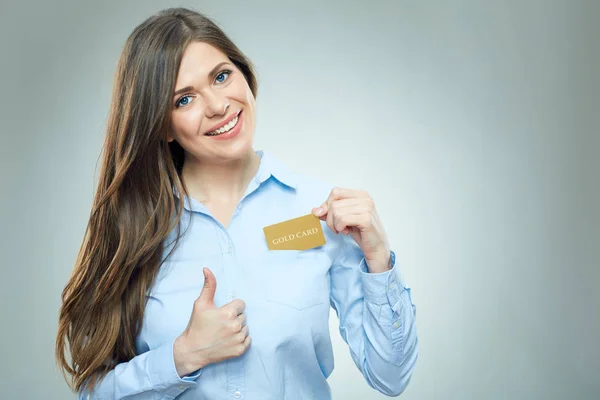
(150, 375)
(376, 319)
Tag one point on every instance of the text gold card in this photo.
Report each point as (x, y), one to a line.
(300, 233)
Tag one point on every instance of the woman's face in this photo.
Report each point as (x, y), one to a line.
(213, 108)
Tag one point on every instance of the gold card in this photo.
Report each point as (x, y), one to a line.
(300, 233)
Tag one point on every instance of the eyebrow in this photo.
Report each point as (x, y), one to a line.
(211, 73)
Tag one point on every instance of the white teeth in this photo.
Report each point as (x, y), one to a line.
(225, 128)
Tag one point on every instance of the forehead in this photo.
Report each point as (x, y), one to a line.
(197, 61)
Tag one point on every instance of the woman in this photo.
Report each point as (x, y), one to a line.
(177, 290)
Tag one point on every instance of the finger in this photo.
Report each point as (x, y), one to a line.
(234, 308)
(329, 219)
(340, 221)
(235, 326)
(361, 220)
(247, 341)
(207, 294)
(342, 203)
(242, 319)
(241, 348)
(357, 206)
(321, 211)
(345, 219)
(243, 334)
(337, 194)
(339, 208)
(239, 337)
(325, 208)
(350, 206)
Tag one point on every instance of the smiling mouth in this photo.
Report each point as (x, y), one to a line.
(224, 129)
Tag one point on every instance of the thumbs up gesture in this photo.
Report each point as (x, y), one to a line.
(212, 334)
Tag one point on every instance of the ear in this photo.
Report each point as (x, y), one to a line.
(170, 137)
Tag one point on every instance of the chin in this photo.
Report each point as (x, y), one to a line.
(237, 149)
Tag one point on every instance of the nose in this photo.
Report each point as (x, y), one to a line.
(215, 104)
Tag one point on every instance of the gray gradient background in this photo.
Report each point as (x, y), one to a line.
(474, 125)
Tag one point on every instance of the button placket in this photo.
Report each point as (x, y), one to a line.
(236, 377)
(235, 367)
(229, 258)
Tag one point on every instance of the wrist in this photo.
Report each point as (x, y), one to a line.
(380, 264)
(184, 364)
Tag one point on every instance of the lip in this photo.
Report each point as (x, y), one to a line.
(233, 132)
(225, 122)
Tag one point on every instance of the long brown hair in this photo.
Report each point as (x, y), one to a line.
(134, 208)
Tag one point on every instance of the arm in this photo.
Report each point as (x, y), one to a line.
(150, 375)
(377, 319)
(212, 335)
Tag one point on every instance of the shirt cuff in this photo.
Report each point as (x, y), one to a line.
(381, 287)
(163, 373)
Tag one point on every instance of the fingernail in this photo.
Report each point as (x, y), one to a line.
(318, 211)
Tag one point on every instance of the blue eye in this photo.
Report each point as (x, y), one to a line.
(222, 77)
(180, 102)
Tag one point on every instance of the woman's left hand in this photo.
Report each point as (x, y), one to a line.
(353, 212)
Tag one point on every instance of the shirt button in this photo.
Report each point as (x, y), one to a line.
(232, 295)
(391, 286)
(237, 394)
(229, 250)
(396, 325)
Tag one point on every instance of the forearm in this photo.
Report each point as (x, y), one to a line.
(377, 319)
(388, 320)
(144, 377)
(390, 344)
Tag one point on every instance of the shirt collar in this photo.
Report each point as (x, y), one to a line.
(270, 166)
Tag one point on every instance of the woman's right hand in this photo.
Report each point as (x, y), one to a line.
(213, 334)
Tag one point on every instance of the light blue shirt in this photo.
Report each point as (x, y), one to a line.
(287, 296)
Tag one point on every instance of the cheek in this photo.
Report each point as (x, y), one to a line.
(188, 123)
(240, 91)
(250, 99)
(250, 103)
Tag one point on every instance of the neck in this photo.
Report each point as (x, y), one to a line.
(223, 182)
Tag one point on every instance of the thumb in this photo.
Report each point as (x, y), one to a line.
(321, 211)
(207, 295)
